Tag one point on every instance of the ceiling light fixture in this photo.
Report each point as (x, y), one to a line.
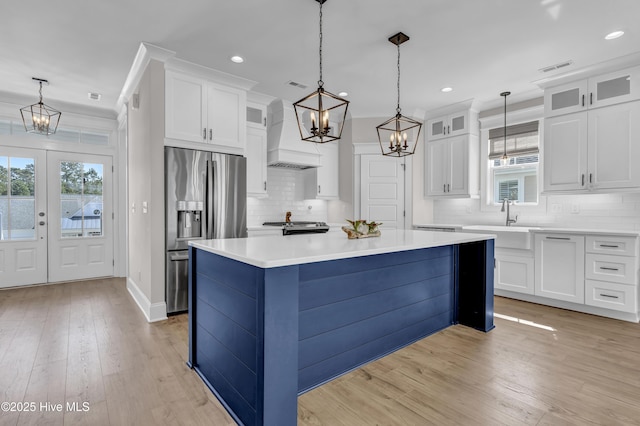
(343, 94)
(446, 89)
(39, 117)
(395, 129)
(505, 159)
(312, 111)
(614, 35)
(237, 59)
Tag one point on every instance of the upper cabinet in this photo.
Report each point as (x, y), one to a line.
(448, 125)
(256, 151)
(452, 156)
(600, 91)
(323, 182)
(198, 110)
(590, 134)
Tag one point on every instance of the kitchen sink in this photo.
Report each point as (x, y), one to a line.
(515, 237)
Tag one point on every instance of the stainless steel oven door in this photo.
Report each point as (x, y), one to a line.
(177, 287)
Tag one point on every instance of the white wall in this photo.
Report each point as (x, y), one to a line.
(146, 184)
(286, 193)
(593, 211)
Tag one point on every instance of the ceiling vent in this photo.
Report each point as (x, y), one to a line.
(94, 96)
(296, 84)
(556, 66)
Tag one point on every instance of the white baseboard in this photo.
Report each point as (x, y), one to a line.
(153, 312)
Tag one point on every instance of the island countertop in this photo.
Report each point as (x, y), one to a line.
(275, 250)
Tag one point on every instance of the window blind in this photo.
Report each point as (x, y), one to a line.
(522, 139)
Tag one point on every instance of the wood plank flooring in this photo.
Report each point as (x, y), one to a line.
(87, 342)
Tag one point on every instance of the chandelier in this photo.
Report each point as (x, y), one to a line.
(321, 114)
(399, 132)
(40, 117)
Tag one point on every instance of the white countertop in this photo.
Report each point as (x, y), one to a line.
(277, 250)
(585, 231)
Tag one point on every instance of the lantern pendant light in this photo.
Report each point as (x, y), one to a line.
(321, 114)
(505, 159)
(402, 133)
(39, 117)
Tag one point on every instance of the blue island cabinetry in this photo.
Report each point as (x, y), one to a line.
(263, 331)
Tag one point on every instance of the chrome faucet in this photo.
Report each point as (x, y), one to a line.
(509, 220)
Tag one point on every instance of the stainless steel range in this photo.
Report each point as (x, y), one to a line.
(300, 227)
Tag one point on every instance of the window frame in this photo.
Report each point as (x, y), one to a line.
(518, 116)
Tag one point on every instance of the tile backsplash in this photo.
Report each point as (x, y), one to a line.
(593, 211)
(286, 193)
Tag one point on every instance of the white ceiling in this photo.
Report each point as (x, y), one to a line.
(478, 47)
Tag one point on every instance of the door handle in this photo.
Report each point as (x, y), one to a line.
(179, 257)
(204, 133)
(448, 188)
(582, 179)
(582, 100)
(319, 189)
(210, 134)
(591, 98)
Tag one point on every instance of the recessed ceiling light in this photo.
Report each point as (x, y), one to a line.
(237, 59)
(343, 94)
(446, 89)
(613, 35)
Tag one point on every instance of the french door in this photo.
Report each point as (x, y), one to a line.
(55, 216)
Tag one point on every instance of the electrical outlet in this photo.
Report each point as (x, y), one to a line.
(575, 208)
(556, 208)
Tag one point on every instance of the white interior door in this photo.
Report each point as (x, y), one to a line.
(80, 240)
(382, 190)
(23, 229)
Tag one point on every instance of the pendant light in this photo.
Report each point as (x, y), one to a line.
(505, 159)
(321, 114)
(398, 131)
(39, 117)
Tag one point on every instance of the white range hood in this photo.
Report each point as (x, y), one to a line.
(285, 148)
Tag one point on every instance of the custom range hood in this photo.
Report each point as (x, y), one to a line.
(285, 148)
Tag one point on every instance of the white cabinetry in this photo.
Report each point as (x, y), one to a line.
(197, 110)
(593, 150)
(452, 157)
(559, 269)
(448, 125)
(603, 90)
(514, 270)
(256, 151)
(612, 273)
(323, 182)
(590, 133)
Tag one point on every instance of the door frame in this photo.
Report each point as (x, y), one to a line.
(360, 149)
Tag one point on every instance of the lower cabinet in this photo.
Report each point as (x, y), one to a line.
(560, 267)
(514, 271)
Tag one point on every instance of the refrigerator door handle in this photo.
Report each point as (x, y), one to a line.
(209, 196)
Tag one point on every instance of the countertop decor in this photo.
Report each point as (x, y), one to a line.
(361, 229)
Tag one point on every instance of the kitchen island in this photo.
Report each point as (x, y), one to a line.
(273, 317)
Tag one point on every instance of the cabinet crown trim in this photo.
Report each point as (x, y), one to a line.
(215, 76)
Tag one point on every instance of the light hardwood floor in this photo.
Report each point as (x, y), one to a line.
(88, 342)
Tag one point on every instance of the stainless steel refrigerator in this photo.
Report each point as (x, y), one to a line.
(206, 197)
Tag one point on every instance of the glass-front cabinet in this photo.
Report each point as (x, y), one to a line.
(607, 89)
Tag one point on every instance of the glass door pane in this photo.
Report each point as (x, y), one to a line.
(81, 199)
(17, 198)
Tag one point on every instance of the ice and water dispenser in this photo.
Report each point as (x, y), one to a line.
(189, 219)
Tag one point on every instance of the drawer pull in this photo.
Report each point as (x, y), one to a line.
(609, 296)
(606, 268)
(559, 238)
(608, 246)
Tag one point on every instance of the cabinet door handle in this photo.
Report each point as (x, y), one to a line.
(609, 246)
(583, 100)
(210, 134)
(318, 189)
(582, 179)
(449, 130)
(265, 185)
(264, 120)
(591, 98)
(559, 238)
(609, 296)
(204, 133)
(590, 177)
(606, 268)
(448, 188)
(444, 187)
